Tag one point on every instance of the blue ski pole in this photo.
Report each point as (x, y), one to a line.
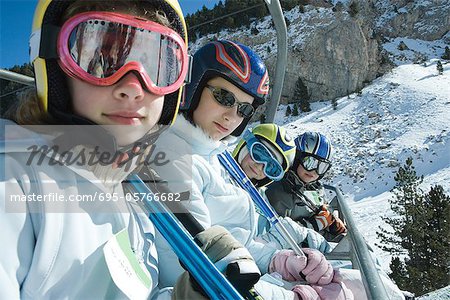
(184, 246)
(241, 178)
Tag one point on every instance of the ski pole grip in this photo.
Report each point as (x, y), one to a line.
(241, 276)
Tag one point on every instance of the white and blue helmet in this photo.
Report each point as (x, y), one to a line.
(316, 145)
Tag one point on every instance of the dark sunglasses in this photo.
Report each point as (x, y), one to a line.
(228, 99)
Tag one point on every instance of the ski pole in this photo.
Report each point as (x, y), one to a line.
(297, 192)
(242, 279)
(241, 178)
(204, 271)
(307, 201)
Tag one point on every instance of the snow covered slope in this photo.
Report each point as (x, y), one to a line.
(404, 113)
(441, 294)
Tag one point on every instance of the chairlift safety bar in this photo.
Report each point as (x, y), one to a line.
(15, 77)
(371, 279)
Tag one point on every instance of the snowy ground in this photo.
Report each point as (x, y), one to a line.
(404, 113)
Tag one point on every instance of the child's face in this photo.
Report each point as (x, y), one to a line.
(124, 103)
(216, 120)
(306, 176)
(253, 169)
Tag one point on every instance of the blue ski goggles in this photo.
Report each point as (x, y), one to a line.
(313, 163)
(262, 155)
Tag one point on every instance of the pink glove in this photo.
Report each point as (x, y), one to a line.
(332, 291)
(315, 268)
(305, 292)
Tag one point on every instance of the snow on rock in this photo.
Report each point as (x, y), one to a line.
(417, 51)
(441, 294)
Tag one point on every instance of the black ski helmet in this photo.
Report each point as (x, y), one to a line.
(233, 62)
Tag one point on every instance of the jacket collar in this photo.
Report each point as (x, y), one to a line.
(200, 142)
(20, 139)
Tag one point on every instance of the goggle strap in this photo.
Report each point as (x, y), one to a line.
(49, 40)
(187, 80)
(250, 138)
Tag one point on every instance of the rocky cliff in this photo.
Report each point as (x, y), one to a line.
(336, 48)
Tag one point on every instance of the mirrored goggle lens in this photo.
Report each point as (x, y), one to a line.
(261, 154)
(102, 47)
(227, 98)
(311, 163)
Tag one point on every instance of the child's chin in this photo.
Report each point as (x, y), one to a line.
(129, 138)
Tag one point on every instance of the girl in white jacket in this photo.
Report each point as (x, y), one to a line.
(67, 229)
(229, 81)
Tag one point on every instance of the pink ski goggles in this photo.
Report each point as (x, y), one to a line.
(101, 47)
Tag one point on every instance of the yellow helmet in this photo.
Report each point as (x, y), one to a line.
(51, 87)
(277, 140)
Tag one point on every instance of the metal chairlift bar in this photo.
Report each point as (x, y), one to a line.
(372, 282)
(19, 78)
(280, 69)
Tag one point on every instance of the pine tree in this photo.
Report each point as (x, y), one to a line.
(402, 46)
(301, 94)
(339, 6)
(353, 9)
(286, 20)
(301, 9)
(437, 236)
(288, 111)
(334, 102)
(406, 192)
(399, 273)
(295, 110)
(420, 232)
(446, 54)
(439, 67)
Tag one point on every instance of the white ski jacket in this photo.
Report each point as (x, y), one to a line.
(193, 166)
(55, 249)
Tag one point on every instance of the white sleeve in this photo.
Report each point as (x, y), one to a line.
(271, 291)
(183, 176)
(297, 232)
(261, 252)
(18, 241)
(163, 294)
